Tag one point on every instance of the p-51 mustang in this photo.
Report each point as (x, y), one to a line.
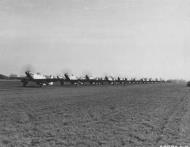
(88, 80)
(37, 78)
(71, 78)
(42, 80)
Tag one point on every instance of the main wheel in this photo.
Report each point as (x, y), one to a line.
(24, 83)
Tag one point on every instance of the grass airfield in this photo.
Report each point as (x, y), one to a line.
(146, 115)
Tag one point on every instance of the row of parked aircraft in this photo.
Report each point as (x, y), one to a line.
(43, 80)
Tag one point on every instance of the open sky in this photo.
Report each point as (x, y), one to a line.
(142, 38)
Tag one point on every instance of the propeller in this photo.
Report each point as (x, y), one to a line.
(86, 74)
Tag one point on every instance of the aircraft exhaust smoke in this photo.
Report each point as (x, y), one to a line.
(27, 67)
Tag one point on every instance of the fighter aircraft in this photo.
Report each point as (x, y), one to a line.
(89, 79)
(110, 80)
(72, 79)
(42, 80)
(38, 78)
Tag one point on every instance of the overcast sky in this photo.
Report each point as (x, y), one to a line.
(142, 38)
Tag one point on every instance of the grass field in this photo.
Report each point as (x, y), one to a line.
(94, 116)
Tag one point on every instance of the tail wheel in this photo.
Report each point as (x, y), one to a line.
(62, 83)
(40, 84)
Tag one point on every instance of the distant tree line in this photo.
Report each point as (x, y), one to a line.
(10, 77)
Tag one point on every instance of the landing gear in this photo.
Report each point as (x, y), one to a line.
(62, 83)
(40, 84)
(24, 82)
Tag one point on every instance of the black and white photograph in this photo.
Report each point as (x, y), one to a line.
(94, 73)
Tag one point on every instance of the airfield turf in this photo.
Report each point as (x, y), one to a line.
(146, 115)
